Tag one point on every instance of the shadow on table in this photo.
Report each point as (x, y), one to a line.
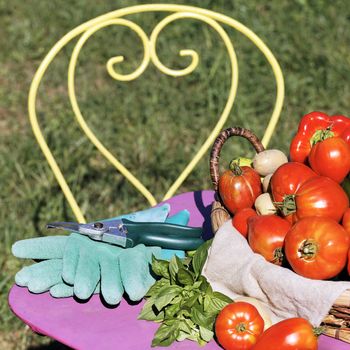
(51, 346)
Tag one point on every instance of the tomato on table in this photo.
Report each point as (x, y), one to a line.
(317, 247)
(266, 234)
(240, 220)
(238, 326)
(331, 157)
(239, 187)
(291, 334)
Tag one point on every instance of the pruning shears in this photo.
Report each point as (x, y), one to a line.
(127, 233)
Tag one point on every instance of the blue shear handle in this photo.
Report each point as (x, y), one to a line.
(163, 235)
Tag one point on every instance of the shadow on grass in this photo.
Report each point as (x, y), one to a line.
(54, 345)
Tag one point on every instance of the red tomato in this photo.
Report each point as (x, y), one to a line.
(291, 334)
(331, 158)
(346, 220)
(238, 326)
(239, 221)
(319, 196)
(288, 178)
(239, 187)
(266, 235)
(317, 247)
(346, 225)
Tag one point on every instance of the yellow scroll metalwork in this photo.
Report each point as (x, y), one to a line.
(114, 18)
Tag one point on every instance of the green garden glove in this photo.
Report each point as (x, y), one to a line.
(42, 276)
(83, 265)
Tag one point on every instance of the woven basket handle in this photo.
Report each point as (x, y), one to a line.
(219, 142)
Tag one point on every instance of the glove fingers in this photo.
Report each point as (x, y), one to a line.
(42, 248)
(180, 218)
(135, 272)
(45, 275)
(167, 254)
(47, 267)
(87, 275)
(155, 214)
(111, 284)
(63, 290)
(70, 261)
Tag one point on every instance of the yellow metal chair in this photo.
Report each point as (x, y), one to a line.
(92, 325)
(115, 18)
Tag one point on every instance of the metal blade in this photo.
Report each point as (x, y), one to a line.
(68, 226)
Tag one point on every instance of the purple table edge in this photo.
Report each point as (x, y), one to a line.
(93, 325)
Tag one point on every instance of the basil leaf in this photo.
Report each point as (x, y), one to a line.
(160, 267)
(200, 257)
(154, 290)
(166, 334)
(194, 334)
(174, 266)
(166, 295)
(204, 285)
(185, 277)
(171, 310)
(184, 331)
(190, 301)
(183, 326)
(215, 302)
(149, 312)
(182, 335)
(204, 320)
(222, 297)
(197, 284)
(206, 334)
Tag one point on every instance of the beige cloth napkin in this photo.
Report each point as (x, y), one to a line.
(234, 270)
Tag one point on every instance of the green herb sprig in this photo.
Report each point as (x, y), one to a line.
(182, 300)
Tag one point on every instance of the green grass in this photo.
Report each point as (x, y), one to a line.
(154, 123)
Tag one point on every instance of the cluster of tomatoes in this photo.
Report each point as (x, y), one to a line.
(299, 215)
(239, 326)
(294, 212)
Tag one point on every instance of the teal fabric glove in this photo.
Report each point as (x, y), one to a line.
(86, 262)
(121, 269)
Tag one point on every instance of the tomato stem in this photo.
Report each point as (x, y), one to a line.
(321, 135)
(278, 256)
(318, 330)
(241, 327)
(235, 168)
(308, 249)
(287, 206)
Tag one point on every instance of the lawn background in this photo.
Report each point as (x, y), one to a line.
(155, 122)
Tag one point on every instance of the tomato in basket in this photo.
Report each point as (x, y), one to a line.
(317, 247)
(288, 178)
(239, 187)
(331, 157)
(318, 196)
(240, 220)
(316, 126)
(266, 235)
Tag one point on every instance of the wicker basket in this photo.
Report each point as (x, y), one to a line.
(337, 322)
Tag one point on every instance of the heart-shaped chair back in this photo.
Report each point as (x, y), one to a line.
(116, 18)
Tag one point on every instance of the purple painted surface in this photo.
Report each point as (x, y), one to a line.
(92, 325)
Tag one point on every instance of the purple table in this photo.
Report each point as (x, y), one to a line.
(92, 325)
